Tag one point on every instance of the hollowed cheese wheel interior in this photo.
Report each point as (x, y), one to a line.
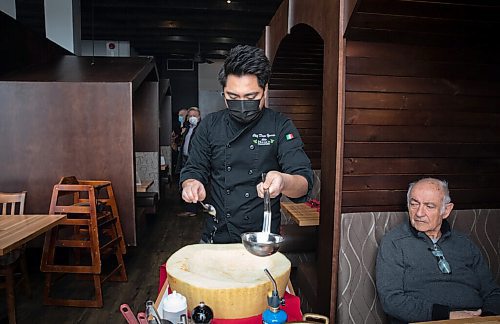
(226, 277)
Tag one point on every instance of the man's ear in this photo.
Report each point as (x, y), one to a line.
(224, 97)
(447, 210)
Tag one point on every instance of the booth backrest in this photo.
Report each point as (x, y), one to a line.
(361, 233)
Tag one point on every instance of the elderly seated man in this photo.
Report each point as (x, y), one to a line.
(427, 271)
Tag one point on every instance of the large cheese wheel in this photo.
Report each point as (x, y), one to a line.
(226, 277)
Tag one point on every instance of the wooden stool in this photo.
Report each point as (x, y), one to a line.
(94, 226)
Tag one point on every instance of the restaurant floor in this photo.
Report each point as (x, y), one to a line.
(162, 235)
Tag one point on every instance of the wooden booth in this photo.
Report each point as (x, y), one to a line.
(384, 93)
(80, 116)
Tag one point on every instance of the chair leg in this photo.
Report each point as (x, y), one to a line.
(98, 291)
(114, 210)
(11, 298)
(25, 278)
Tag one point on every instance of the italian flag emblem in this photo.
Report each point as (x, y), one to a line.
(289, 137)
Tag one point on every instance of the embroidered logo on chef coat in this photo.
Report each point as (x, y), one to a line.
(263, 139)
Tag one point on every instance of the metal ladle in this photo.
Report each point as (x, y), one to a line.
(263, 243)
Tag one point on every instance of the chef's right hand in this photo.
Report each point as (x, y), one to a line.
(193, 191)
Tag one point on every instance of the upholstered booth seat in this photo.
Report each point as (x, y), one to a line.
(360, 237)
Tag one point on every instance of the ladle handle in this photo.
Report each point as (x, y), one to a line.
(266, 224)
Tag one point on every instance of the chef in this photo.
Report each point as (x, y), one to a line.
(233, 147)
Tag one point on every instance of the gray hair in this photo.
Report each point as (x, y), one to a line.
(194, 109)
(442, 183)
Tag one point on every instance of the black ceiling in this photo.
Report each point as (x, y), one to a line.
(167, 28)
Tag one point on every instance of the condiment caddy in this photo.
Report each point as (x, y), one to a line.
(173, 310)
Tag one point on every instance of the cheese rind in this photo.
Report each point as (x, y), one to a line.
(226, 277)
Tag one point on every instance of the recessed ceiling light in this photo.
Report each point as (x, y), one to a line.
(228, 1)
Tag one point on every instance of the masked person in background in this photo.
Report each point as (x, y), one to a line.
(235, 146)
(193, 117)
(176, 136)
(176, 140)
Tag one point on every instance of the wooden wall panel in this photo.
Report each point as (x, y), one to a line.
(455, 23)
(146, 117)
(53, 129)
(165, 104)
(278, 30)
(296, 85)
(416, 101)
(449, 134)
(399, 181)
(419, 52)
(431, 113)
(303, 107)
(324, 18)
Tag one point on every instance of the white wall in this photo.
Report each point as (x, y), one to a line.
(209, 88)
(9, 7)
(62, 23)
(207, 75)
(101, 48)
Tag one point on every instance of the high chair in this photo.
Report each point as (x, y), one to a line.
(92, 226)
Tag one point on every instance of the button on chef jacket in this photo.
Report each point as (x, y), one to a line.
(229, 159)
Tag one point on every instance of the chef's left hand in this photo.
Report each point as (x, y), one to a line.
(275, 182)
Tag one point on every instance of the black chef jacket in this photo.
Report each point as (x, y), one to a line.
(231, 159)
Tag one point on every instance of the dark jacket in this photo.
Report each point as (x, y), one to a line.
(411, 287)
(181, 158)
(230, 158)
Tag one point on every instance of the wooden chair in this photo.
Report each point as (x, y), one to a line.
(13, 204)
(92, 228)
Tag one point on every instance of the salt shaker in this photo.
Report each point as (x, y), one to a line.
(175, 308)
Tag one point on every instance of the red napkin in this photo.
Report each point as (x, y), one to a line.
(292, 306)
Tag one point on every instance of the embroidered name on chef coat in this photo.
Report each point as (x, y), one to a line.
(263, 139)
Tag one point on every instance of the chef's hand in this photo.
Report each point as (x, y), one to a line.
(193, 191)
(291, 185)
(274, 182)
(465, 314)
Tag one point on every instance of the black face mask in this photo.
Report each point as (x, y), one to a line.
(244, 111)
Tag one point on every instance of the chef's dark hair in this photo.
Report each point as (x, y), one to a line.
(244, 59)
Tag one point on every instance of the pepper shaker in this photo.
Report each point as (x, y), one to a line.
(202, 314)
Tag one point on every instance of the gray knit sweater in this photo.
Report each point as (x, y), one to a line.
(411, 287)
